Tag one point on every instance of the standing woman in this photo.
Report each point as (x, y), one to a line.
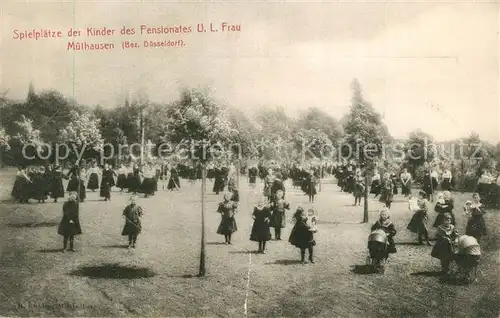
(446, 185)
(428, 184)
(56, 184)
(147, 186)
(359, 188)
(268, 183)
(70, 223)
(93, 177)
(279, 207)
(476, 226)
(375, 185)
(387, 193)
(173, 183)
(406, 183)
(132, 214)
(107, 183)
(311, 186)
(227, 225)
(394, 179)
(121, 181)
(252, 176)
(260, 229)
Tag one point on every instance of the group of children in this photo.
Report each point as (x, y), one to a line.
(69, 226)
(447, 234)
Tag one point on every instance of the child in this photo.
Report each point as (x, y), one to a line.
(70, 223)
(476, 226)
(227, 225)
(301, 235)
(311, 221)
(443, 250)
(260, 229)
(132, 214)
(443, 206)
(279, 208)
(412, 203)
(418, 223)
(384, 223)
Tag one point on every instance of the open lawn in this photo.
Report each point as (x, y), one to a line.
(158, 278)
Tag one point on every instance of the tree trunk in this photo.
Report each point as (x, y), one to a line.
(202, 270)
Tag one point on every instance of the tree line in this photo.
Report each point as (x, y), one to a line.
(48, 117)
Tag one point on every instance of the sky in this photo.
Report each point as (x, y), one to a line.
(424, 65)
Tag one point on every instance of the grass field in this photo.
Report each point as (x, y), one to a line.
(158, 278)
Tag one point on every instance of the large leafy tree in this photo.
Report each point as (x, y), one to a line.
(82, 136)
(199, 122)
(27, 144)
(365, 135)
(365, 131)
(315, 118)
(313, 144)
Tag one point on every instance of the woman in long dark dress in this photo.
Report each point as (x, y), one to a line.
(476, 226)
(359, 188)
(132, 228)
(93, 177)
(227, 225)
(311, 186)
(147, 186)
(107, 183)
(173, 183)
(260, 230)
(279, 207)
(121, 181)
(375, 186)
(252, 176)
(70, 223)
(394, 179)
(40, 185)
(56, 184)
(387, 191)
(406, 183)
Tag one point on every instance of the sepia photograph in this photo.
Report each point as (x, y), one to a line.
(249, 158)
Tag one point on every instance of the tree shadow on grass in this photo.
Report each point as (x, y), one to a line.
(285, 262)
(216, 243)
(427, 274)
(362, 269)
(50, 250)
(113, 271)
(33, 224)
(123, 246)
(244, 252)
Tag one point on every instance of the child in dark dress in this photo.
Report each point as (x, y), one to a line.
(132, 214)
(302, 235)
(70, 223)
(260, 229)
(385, 224)
(443, 249)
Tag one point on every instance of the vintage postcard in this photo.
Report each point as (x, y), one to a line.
(249, 158)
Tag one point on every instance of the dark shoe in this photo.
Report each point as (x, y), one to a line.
(72, 250)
